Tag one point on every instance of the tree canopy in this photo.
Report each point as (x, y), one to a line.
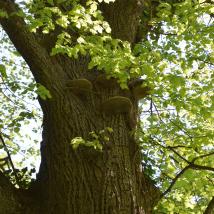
(172, 55)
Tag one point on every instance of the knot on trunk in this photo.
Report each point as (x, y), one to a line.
(139, 89)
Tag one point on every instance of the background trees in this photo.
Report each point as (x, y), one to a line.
(126, 92)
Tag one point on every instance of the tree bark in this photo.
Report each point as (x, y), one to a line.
(210, 207)
(83, 180)
(9, 202)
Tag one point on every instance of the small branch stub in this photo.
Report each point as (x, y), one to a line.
(80, 86)
(117, 104)
(101, 80)
(139, 89)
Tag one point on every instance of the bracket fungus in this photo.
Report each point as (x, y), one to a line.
(117, 104)
(80, 86)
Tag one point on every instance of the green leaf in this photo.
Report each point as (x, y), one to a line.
(3, 14)
(43, 92)
(109, 129)
(3, 71)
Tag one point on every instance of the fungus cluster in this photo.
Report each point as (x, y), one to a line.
(116, 104)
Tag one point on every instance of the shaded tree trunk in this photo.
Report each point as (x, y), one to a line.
(84, 180)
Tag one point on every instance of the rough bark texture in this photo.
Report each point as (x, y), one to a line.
(83, 180)
(9, 203)
(210, 207)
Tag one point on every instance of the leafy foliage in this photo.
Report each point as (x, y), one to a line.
(20, 116)
(96, 140)
(176, 60)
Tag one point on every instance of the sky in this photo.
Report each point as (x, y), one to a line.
(11, 102)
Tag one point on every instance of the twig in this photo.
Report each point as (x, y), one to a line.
(10, 160)
(180, 156)
(190, 166)
(202, 156)
(174, 180)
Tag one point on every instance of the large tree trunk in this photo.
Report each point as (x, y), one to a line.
(85, 180)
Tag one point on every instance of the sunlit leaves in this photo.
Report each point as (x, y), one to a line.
(43, 92)
(76, 142)
(3, 14)
(3, 71)
(189, 194)
(85, 19)
(96, 140)
(63, 21)
(18, 110)
(175, 59)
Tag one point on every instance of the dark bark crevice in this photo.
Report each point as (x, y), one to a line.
(15, 201)
(9, 203)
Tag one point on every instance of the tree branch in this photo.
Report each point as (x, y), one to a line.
(202, 156)
(180, 156)
(10, 160)
(200, 167)
(174, 180)
(125, 25)
(36, 56)
(191, 165)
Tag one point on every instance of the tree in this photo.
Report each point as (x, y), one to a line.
(96, 64)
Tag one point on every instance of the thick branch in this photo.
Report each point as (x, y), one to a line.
(190, 166)
(124, 18)
(28, 45)
(174, 180)
(199, 167)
